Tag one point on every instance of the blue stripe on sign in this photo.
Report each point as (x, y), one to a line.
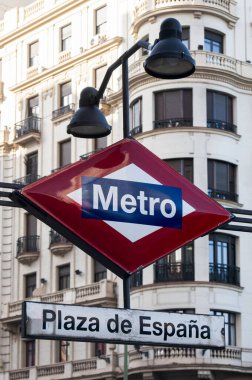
(131, 202)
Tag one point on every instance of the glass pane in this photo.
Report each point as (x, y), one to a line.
(211, 252)
(65, 153)
(33, 106)
(101, 20)
(99, 75)
(64, 277)
(136, 114)
(220, 107)
(221, 176)
(30, 284)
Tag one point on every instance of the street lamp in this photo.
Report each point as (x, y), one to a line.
(168, 59)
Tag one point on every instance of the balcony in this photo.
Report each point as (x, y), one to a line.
(223, 195)
(168, 359)
(63, 112)
(101, 293)
(145, 9)
(28, 249)
(27, 179)
(228, 274)
(222, 125)
(28, 130)
(173, 272)
(59, 245)
(95, 368)
(172, 123)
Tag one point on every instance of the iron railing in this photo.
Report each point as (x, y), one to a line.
(27, 244)
(28, 125)
(27, 179)
(56, 238)
(228, 274)
(173, 272)
(172, 123)
(136, 130)
(219, 124)
(223, 195)
(63, 110)
(136, 279)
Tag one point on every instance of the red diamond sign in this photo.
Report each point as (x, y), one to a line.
(126, 204)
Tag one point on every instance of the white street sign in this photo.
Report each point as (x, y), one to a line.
(74, 322)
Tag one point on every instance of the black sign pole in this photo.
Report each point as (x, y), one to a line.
(126, 130)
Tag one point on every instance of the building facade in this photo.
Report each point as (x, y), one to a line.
(201, 126)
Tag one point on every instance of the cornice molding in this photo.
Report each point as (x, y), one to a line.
(194, 9)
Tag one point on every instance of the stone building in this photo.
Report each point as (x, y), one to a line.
(200, 125)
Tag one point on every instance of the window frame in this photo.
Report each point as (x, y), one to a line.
(64, 42)
(182, 163)
(136, 114)
(213, 37)
(64, 279)
(229, 325)
(62, 159)
(65, 99)
(101, 28)
(29, 288)
(230, 186)
(33, 60)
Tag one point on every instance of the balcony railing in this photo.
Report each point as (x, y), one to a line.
(136, 279)
(28, 249)
(59, 245)
(27, 179)
(136, 130)
(63, 111)
(228, 274)
(31, 124)
(172, 123)
(223, 125)
(173, 272)
(223, 195)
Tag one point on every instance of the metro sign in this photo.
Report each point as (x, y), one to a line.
(124, 206)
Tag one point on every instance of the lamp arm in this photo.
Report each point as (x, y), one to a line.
(139, 44)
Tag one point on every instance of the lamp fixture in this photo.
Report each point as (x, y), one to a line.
(168, 59)
(78, 272)
(43, 281)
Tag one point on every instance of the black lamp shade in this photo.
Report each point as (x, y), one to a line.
(88, 121)
(169, 57)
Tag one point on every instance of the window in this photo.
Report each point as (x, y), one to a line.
(64, 277)
(100, 349)
(184, 166)
(222, 259)
(33, 54)
(177, 266)
(64, 153)
(186, 36)
(220, 111)
(63, 351)
(31, 167)
(33, 106)
(65, 94)
(213, 41)
(65, 37)
(173, 108)
(100, 272)
(29, 353)
(230, 326)
(136, 116)
(30, 284)
(99, 74)
(31, 225)
(101, 20)
(222, 180)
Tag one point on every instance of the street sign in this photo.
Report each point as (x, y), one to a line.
(57, 321)
(124, 206)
